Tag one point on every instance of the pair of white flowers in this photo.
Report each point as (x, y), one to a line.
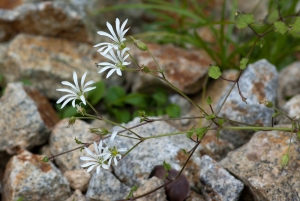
(105, 154)
(106, 50)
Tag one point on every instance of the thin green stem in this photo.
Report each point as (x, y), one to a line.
(165, 135)
(257, 128)
(94, 109)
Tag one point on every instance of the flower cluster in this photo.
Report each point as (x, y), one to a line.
(117, 44)
(105, 154)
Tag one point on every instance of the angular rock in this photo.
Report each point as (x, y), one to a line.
(292, 109)
(134, 169)
(194, 197)
(150, 185)
(217, 183)
(257, 83)
(56, 19)
(78, 179)
(28, 177)
(27, 118)
(46, 62)
(105, 186)
(77, 196)
(288, 82)
(258, 165)
(62, 139)
(183, 68)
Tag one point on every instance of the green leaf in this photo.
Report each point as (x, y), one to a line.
(136, 99)
(184, 152)
(210, 117)
(68, 111)
(201, 131)
(280, 27)
(20, 199)
(190, 133)
(208, 100)
(173, 110)
(296, 25)
(275, 114)
(221, 121)
(77, 141)
(167, 166)
(122, 116)
(214, 72)
(114, 96)
(273, 16)
(160, 97)
(243, 63)
(160, 112)
(242, 20)
(45, 159)
(95, 95)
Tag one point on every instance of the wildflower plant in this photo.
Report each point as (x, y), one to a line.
(107, 150)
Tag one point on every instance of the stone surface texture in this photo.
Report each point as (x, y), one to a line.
(292, 109)
(288, 82)
(185, 69)
(77, 196)
(46, 62)
(28, 177)
(62, 139)
(258, 165)
(216, 182)
(149, 185)
(195, 197)
(134, 169)
(27, 118)
(78, 179)
(105, 186)
(257, 83)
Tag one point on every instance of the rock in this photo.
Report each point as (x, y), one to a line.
(258, 165)
(257, 83)
(177, 190)
(288, 82)
(292, 109)
(78, 179)
(77, 196)
(45, 62)
(217, 183)
(194, 197)
(134, 169)
(148, 186)
(27, 119)
(62, 139)
(28, 177)
(56, 19)
(105, 186)
(183, 68)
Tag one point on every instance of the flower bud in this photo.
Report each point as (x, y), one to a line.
(285, 160)
(145, 69)
(72, 121)
(45, 159)
(98, 131)
(142, 46)
(267, 103)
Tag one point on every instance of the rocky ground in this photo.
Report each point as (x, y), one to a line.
(45, 41)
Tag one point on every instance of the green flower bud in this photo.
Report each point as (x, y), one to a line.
(142, 46)
(45, 159)
(145, 69)
(267, 103)
(285, 160)
(98, 131)
(72, 121)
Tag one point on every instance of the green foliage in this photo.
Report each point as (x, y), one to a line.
(200, 132)
(296, 25)
(214, 72)
(95, 95)
(167, 166)
(243, 63)
(280, 27)
(243, 20)
(209, 100)
(173, 110)
(210, 117)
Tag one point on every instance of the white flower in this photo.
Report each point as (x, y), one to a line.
(117, 39)
(112, 151)
(96, 160)
(76, 92)
(118, 64)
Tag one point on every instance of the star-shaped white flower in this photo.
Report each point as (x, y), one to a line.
(76, 92)
(118, 64)
(117, 39)
(96, 160)
(112, 151)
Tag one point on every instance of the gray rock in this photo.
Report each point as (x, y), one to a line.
(27, 118)
(195, 197)
(292, 109)
(288, 82)
(62, 139)
(46, 62)
(134, 168)
(28, 177)
(258, 165)
(78, 179)
(150, 185)
(257, 83)
(105, 186)
(217, 183)
(184, 69)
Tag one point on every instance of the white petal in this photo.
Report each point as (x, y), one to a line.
(83, 99)
(112, 137)
(96, 148)
(89, 152)
(75, 79)
(112, 32)
(110, 73)
(119, 72)
(64, 97)
(69, 84)
(89, 83)
(67, 90)
(73, 103)
(102, 33)
(89, 164)
(98, 169)
(66, 101)
(87, 158)
(90, 168)
(115, 161)
(104, 69)
(105, 166)
(82, 80)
